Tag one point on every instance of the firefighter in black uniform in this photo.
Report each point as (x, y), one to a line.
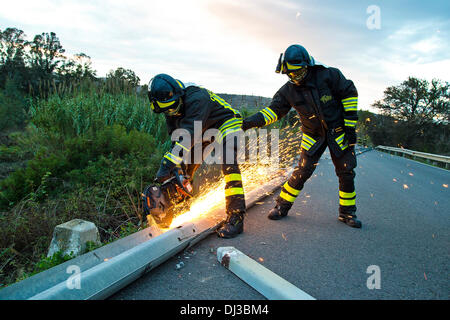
(327, 104)
(182, 106)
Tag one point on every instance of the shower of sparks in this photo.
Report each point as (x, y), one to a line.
(212, 195)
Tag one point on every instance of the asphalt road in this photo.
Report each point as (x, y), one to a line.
(403, 205)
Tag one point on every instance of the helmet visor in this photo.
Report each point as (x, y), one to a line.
(298, 75)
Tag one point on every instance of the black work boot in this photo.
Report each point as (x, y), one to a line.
(233, 226)
(280, 211)
(350, 220)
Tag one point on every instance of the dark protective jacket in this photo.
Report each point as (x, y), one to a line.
(200, 104)
(327, 105)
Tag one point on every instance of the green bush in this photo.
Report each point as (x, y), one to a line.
(89, 155)
(13, 107)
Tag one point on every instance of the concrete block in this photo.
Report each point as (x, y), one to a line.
(71, 237)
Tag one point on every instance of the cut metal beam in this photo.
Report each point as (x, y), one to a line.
(266, 282)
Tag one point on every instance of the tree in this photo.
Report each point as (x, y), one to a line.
(417, 101)
(124, 75)
(46, 54)
(415, 105)
(76, 69)
(12, 64)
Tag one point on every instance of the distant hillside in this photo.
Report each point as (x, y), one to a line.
(240, 101)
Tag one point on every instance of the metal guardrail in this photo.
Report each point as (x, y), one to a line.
(108, 269)
(429, 157)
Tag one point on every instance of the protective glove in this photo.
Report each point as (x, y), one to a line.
(245, 125)
(256, 120)
(350, 136)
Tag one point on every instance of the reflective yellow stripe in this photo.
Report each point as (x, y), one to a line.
(350, 123)
(340, 138)
(232, 123)
(178, 144)
(347, 195)
(273, 114)
(291, 190)
(287, 196)
(229, 126)
(233, 191)
(173, 158)
(269, 116)
(227, 132)
(309, 139)
(163, 105)
(223, 103)
(349, 100)
(305, 146)
(233, 177)
(345, 202)
(179, 83)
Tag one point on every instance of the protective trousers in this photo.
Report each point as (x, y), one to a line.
(344, 166)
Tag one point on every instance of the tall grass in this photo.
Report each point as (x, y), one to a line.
(91, 152)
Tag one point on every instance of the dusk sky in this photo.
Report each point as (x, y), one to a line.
(231, 46)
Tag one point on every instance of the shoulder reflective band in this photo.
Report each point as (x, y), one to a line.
(233, 177)
(350, 104)
(172, 158)
(223, 103)
(233, 191)
(291, 190)
(287, 196)
(269, 115)
(163, 105)
(347, 198)
(350, 123)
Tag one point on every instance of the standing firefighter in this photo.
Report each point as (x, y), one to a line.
(182, 106)
(327, 104)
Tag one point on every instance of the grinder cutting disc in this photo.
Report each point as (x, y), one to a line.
(157, 205)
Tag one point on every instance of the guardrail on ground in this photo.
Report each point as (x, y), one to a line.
(428, 157)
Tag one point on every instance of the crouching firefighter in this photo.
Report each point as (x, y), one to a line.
(327, 105)
(182, 106)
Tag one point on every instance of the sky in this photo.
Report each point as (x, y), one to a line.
(231, 46)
